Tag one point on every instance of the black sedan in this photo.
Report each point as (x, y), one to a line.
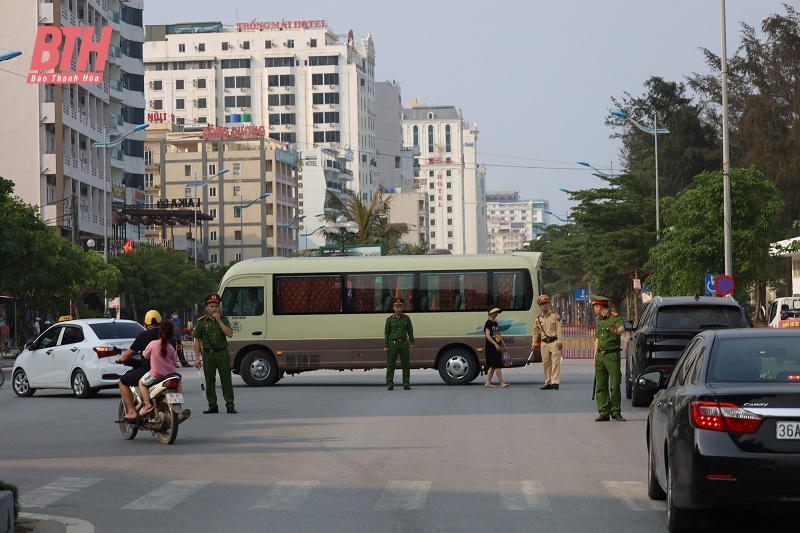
(723, 431)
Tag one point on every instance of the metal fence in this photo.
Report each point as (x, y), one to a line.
(579, 341)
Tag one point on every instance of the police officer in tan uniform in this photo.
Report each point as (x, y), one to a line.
(211, 332)
(548, 327)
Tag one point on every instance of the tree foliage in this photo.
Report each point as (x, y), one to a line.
(693, 244)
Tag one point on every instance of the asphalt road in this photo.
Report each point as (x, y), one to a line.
(329, 451)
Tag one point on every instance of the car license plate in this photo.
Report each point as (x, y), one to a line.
(788, 430)
(176, 397)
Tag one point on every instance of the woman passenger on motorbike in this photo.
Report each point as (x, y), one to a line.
(131, 378)
(162, 356)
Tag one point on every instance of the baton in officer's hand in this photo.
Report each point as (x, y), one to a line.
(202, 382)
(528, 361)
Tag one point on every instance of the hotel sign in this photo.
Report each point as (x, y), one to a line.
(281, 25)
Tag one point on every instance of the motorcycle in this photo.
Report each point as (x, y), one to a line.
(167, 413)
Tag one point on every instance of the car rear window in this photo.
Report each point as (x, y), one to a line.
(117, 330)
(700, 317)
(754, 359)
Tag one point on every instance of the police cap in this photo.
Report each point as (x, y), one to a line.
(213, 299)
(600, 300)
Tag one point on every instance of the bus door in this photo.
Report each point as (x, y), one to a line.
(244, 303)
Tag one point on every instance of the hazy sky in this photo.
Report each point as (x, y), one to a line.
(536, 76)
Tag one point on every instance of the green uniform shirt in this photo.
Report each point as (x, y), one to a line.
(398, 329)
(605, 339)
(210, 333)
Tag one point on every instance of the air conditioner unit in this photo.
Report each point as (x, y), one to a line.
(241, 45)
(270, 126)
(151, 84)
(313, 107)
(269, 108)
(269, 89)
(150, 104)
(287, 87)
(227, 109)
(227, 90)
(331, 125)
(243, 109)
(194, 83)
(195, 103)
(241, 89)
(197, 47)
(313, 87)
(308, 43)
(332, 86)
(331, 106)
(285, 43)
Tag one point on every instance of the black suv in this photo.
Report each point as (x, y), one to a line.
(665, 328)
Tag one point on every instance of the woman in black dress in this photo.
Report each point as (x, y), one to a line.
(494, 347)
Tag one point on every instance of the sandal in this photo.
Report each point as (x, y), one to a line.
(146, 409)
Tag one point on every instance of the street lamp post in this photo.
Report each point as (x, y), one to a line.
(106, 145)
(726, 159)
(10, 55)
(305, 247)
(601, 173)
(196, 185)
(564, 220)
(340, 229)
(294, 221)
(243, 206)
(654, 131)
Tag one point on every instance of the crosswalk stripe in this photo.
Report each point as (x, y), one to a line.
(634, 495)
(523, 496)
(167, 495)
(56, 490)
(284, 496)
(404, 496)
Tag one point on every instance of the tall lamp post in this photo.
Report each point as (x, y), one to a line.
(10, 55)
(243, 206)
(305, 247)
(196, 185)
(726, 158)
(564, 220)
(600, 172)
(340, 229)
(294, 221)
(106, 145)
(654, 131)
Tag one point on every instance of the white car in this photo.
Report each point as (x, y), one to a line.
(78, 354)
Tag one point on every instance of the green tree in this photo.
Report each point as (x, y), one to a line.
(372, 219)
(693, 244)
(18, 222)
(562, 258)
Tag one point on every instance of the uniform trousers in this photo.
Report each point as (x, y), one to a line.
(398, 348)
(211, 364)
(551, 363)
(608, 376)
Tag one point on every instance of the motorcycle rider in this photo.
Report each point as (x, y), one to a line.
(152, 321)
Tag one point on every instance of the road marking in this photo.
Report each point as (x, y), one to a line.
(404, 496)
(284, 496)
(634, 495)
(523, 496)
(56, 490)
(167, 495)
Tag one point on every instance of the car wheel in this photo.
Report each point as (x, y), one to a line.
(128, 429)
(259, 369)
(21, 385)
(80, 385)
(458, 367)
(654, 490)
(628, 379)
(678, 520)
(640, 398)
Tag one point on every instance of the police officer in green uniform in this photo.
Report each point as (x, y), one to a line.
(397, 335)
(607, 360)
(212, 331)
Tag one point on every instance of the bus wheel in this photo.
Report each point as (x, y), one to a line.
(259, 369)
(458, 367)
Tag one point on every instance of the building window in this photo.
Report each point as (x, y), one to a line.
(181, 48)
(290, 43)
(212, 169)
(449, 221)
(237, 213)
(212, 193)
(267, 44)
(312, 43)
(430, 173)
(212, 235)
(201, 47)
(188, 192)
(224, 46)
(450, 246)
(449, 233)
(416, 136)
(179, 103)
(212, 212)
(433, 210)
(449, 184)
(448, 173)
(158, 85)
(213, 259)
(187, 170)
(201, 83)
(431, 185)
(430, 138)
(237, 168)
(158, 104)
(449, 197)
(432, 198)
(179, 85)
(246, 45)
(433, 235)
(449, 208)
(447, 145)
(433, 222)
(201, 103)
(237, 190)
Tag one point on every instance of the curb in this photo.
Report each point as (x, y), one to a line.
(73, 525)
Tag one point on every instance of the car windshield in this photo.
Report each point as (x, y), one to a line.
(116, 330)
(700, 317)
(754, 359)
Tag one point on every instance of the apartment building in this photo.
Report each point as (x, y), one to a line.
(49, 129)
(513, 221)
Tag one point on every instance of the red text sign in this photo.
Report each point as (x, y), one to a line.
(48, 41)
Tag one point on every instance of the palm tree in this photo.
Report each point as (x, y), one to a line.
(372, 218)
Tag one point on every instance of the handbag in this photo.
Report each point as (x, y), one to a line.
(506, 358)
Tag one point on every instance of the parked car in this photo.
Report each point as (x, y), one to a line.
(665, 328)
(723, 431)
(77, 354)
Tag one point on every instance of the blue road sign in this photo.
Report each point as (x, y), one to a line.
(581, 295)
(710, 290)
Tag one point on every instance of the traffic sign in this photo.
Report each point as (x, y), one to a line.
(581, 295)
(709, 286)
(724, 285)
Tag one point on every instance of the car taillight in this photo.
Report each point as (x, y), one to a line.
(106, 351)
(717, 416)
(172, 383)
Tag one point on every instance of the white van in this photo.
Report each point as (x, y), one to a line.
(791, 310)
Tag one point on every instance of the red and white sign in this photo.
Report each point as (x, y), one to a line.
(48, 41)
(236, 132)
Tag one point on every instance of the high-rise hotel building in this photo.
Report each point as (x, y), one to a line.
(306, 85)
(48, 130)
